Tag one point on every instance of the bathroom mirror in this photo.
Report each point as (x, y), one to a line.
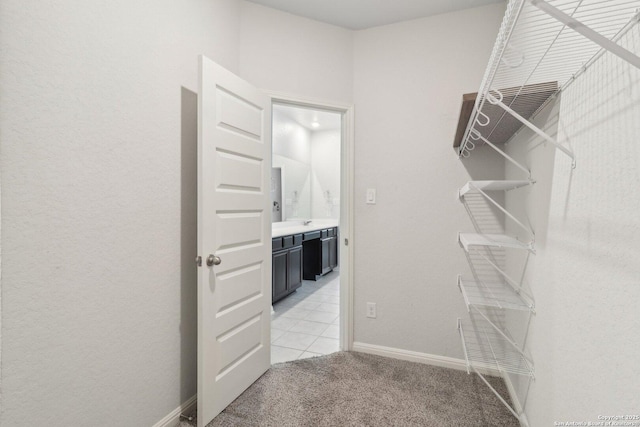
(305, 164)
(295, 188)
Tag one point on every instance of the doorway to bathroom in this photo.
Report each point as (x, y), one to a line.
(311, 198)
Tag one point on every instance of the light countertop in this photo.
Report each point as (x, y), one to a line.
(279, 229)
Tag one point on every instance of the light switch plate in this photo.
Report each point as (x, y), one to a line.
(371, 196)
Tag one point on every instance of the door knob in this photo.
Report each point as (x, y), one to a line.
(213, 260)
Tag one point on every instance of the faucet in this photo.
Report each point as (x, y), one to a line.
(307, 221)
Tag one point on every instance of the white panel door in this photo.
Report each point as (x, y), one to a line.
(234, 229)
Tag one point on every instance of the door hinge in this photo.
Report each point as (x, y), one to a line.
(199, 261)
(346, 242)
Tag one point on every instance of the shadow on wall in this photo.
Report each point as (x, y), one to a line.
(188, 244)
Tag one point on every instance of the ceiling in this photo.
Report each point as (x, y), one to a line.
(361, 14)
(305, 117)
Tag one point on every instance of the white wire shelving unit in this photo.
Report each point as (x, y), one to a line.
(497, 185)
(542, 47)
(480, 293)
(486, 349)
(469, 241)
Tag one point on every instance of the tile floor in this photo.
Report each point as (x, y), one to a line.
(306, 323)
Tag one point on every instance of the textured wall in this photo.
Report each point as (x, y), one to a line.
(98, 197)
(98, 205)
(297, 56)
(585, 277)
(409, 79)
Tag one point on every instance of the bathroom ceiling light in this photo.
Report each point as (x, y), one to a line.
(315, 124)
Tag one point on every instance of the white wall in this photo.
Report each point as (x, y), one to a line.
(585, 277)
(408, 84)
(98, 191)
(325, 170)
(98, 205)
(284, 53)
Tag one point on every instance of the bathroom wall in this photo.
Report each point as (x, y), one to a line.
(325, 167)
(585, 276)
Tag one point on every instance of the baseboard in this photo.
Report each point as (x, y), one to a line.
(414, 356)
(173, 418)
(515, 401)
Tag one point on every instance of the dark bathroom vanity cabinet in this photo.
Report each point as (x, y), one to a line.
(302, 256)
(320, 253)
(287, 265)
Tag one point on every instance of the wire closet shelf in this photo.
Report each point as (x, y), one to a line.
(484, 348)
(541, 48)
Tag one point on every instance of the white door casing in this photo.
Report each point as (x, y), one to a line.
(234, 224)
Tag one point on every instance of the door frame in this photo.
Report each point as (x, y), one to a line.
(346, 202)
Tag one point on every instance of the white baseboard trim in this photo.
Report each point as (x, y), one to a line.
(173, 418)
(412, 356)
(517, 406)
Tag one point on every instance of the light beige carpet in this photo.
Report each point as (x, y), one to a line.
(355, 389)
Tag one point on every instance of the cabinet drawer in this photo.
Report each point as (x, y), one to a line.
(332, 232)
(311, 235)
(297, 239)
(287, 241)
(324, 234)
(276, 243)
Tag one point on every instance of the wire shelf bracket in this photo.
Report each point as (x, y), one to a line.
(477, 186)
(498, 101)
(515, 285)
(476, 136)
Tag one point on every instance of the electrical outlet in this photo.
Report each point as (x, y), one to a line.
(371, 310)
